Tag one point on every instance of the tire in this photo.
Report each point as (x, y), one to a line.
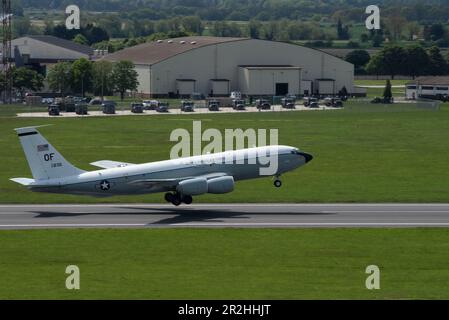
(168, 197)
(278, 183)
(176, 201)
(187, 200)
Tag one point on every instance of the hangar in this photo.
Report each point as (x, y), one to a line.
(216, 66)
(41, 52)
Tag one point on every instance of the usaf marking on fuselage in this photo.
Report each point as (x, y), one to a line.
(179, 178)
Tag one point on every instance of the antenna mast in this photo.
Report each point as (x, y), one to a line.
(6, 50)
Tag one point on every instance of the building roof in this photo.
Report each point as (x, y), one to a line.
(157, 51)
(443, 80)
(66, 44)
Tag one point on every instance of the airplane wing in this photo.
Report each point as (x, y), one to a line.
(23, 181)
(108, 164)
(174, 181)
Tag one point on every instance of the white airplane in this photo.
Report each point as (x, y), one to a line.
(180, 178)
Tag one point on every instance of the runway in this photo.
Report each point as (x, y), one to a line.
(224, 216)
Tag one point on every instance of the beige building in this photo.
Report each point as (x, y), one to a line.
(41, 52)
(218, 66)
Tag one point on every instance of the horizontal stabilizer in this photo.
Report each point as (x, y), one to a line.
(108, 164)
(23, 181)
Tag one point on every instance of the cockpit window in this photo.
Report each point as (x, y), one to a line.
(296, 152)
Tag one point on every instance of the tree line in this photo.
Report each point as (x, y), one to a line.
(396, 60)
(100, 78)
(245, 10)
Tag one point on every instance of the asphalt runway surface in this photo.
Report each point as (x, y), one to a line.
(224, 216)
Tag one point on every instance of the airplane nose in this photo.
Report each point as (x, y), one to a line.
(307, 156)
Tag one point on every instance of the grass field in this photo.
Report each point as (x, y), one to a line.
(359, 156)
(225, 263)
(378, 92)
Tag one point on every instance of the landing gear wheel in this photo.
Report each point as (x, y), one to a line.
(277, 183)
(187, 199)
(173, 198)
(168, 197)
(176, 201)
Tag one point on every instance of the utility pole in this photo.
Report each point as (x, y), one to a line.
(6, 50)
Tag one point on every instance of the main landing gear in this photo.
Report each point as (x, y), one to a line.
(176, 199)
(277, 183)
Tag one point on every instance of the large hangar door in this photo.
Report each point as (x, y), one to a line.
(220, 87)
(185, 87)
(270, 80)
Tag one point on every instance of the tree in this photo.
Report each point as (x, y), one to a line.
(27, 79)
(387, 92)
(254, 28)
(396, 25)
(437, 31)
(59, 77)
(82, 75)
(375, 65)
(102, 78)
(417, 62)
(437, 64)
(80, 39)
(342, 31)
(124, 77)
(192, 24)
(414, 30)
(394, 59)
(359, 58)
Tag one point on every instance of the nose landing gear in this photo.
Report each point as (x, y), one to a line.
(277, 183)
(177, 199)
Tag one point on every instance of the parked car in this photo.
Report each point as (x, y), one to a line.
(150, 104)
(108, 107)
(81, 109)
(314, 105)
(263, 104)
(288, 103)
(333, 102)
(309, 100)
(238, 104)
(53, 110)
(187, 106)
(162, 107)
(95, 102)
(378, 100)
(136, 107)
(214, 105)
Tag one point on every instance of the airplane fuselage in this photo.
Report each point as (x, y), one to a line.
(155, 177)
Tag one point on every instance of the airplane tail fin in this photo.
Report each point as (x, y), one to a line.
(44, 160)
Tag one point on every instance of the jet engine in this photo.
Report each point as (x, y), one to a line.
(198, 186)
(221, 185)
(193, 187)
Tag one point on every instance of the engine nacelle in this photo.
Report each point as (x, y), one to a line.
(221, 185)
(193, 187)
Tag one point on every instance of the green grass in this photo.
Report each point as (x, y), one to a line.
(378, 92)
(380, 82)
(360, 156)
(225, 263)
